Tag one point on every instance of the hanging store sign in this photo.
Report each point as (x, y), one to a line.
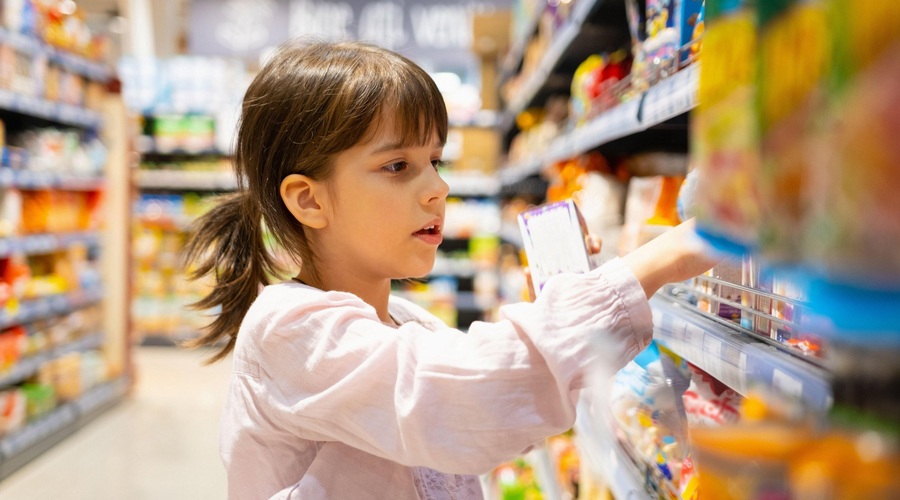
(435, 33)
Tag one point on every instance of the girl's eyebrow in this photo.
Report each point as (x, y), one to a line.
(396, 145)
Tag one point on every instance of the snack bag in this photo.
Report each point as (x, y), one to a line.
(724, 136)
(853, 231)
(793, 49)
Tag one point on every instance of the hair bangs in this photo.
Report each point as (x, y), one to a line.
(420, 112)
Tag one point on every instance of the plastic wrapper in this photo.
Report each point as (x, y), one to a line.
(645, 402)
(854, 228)
(792, 61)
(724, 135)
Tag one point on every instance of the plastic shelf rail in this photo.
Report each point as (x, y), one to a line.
(23, 445)
(471, 185)
(29, 179)
(735, 358)
(46, 243)
(187, 180)
(45, 307)
(48, 110)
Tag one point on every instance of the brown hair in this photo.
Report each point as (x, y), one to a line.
(306, 105)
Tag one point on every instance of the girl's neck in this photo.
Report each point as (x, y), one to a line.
(374, 293)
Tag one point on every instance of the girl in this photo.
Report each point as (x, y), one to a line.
(340, 390)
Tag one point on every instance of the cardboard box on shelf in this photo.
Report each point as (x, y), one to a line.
(480, 150)
(490, 41)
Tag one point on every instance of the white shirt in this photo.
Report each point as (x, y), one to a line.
(326, 401)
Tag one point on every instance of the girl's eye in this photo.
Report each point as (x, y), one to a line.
(396, 168)
(438, 164)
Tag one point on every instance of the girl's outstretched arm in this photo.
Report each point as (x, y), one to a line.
(676, 255)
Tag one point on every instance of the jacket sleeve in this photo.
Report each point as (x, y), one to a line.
(452, 401)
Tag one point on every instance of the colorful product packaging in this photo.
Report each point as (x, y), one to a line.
(853, 231)
(724, 140)
(792, 61)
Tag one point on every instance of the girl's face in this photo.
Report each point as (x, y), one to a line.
(386, 209)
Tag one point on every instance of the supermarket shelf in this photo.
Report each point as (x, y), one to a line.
(510, 233)
(45, 307)
(472, 185)
(516, 52)
(179, 223)
(558, 47)
(46, 243)
(463, 268)
(54, 111)
(605, 456)
(468, 301)
(485, 118)
(184, 153)
(667, 99)
(162, 340)
(71, 62)
(29, 179)
(187, 180)
(19, 448)
(516, 172)
(27, 367)
(736, 359)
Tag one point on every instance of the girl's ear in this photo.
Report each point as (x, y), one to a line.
(305, 198)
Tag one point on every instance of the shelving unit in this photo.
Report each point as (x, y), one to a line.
(740, 361)
(670, 98)
(161, 292)
(181, 180)
(30, 315)
(570, 42)
(657, 115)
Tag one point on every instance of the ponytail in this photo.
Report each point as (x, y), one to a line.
(228, 243)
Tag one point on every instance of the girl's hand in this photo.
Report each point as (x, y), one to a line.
(676, 255)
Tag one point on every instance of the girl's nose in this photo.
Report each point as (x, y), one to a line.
(436, 189)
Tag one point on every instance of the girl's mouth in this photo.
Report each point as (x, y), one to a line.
(430, 234)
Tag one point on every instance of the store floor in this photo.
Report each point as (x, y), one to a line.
(159, 443)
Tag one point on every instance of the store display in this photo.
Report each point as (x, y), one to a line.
(786, 145)
(54, 351)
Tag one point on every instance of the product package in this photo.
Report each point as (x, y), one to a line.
(553, 236)
(724, 136)
(651, 208)
(792, 61)
(647, 409)
(853, 230)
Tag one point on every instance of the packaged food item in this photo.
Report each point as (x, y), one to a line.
(724, 134)
(727, 271)
(553, 236)
(853, 230)
(651, 208)
(793, 59)
(12, 410)
(646, 404)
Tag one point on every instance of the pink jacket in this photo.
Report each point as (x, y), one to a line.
(328, 402)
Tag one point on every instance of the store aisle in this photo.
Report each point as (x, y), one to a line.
(161, 443)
